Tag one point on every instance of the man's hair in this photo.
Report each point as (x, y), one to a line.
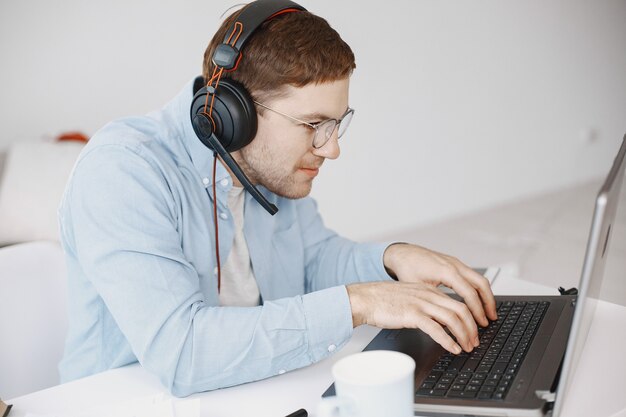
(294, 49)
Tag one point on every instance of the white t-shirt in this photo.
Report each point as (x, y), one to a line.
(238, 287)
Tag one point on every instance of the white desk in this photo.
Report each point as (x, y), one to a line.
(131, 391)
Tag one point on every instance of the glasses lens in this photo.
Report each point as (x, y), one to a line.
(345, 122)
(324, 132)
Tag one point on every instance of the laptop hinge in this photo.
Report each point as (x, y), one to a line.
(547, 396)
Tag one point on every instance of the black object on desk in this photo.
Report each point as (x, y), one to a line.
(571, 291)
(299, 413)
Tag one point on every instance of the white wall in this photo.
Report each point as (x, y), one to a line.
(460, 105)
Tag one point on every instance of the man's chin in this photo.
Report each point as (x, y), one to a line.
(295, 196)
(293, 192)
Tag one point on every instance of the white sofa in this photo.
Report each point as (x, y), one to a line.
(33, 318)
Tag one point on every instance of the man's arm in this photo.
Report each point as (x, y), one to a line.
(122, 224)
(414, 301)
(332, 260)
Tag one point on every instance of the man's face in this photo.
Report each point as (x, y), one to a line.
(281, 157)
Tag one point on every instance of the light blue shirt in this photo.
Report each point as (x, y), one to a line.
(137, 229)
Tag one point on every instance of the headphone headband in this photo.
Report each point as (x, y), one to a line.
(228, 53)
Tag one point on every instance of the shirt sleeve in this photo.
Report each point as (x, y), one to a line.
(123, 231)
(333, 260)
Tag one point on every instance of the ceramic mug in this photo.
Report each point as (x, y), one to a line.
(376, 383)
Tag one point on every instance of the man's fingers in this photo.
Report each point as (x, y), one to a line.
(414, 305)
(463, 312)
(478, 289)
(484, 289)
(455, 316)
(475, 290)
(413, 263)
(436, 332)
(462, 287)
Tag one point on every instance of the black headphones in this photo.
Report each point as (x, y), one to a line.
(223, 114)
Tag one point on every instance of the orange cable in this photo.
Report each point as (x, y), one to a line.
(238, 25)
(217, 240)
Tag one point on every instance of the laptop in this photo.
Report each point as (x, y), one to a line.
(526, 359)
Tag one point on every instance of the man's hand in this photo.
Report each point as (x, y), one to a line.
(411, 263)
(416, 302)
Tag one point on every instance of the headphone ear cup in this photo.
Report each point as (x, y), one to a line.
(234, 115)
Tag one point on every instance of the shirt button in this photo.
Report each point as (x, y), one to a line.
(215, 271)
(332, 348)
(205, 181)
(282, 371)
(224, 182)
(224, 216)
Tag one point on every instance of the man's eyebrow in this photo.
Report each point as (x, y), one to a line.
(314, 116)
(317, 116)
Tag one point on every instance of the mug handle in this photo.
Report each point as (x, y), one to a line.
(337, 406)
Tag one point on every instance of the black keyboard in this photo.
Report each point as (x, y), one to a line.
(487, 372)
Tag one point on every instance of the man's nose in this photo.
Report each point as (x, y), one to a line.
(330, 149)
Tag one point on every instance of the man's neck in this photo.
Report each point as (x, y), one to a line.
(236, 182)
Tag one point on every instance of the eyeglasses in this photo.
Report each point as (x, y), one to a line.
(326, 127)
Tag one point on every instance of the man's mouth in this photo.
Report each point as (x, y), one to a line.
(311, 172)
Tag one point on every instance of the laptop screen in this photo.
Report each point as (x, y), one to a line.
(614, 282)
(604, 262)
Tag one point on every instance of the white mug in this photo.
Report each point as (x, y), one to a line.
(376, 383)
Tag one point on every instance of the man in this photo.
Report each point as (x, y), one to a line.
(137, 224)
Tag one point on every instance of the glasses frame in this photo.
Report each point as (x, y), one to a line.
(314, 126)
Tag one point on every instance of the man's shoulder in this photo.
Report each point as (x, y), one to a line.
(123, 154)
(134, 133)
(144, 137)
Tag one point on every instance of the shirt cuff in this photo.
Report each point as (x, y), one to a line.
(328, 318)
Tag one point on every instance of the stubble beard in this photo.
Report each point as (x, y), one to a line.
(263, 169)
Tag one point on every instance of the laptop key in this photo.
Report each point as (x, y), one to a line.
(462, 394)
(432, 377)
(457, 363)
(482, 395)
(483, 368)
(431, 392)
(498, 368)
(494, 377)
(504, 358)
(470, 365)
(504, 384)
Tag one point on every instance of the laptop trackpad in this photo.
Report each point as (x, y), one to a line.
(413, 342)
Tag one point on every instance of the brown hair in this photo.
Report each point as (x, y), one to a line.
(291, 49)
